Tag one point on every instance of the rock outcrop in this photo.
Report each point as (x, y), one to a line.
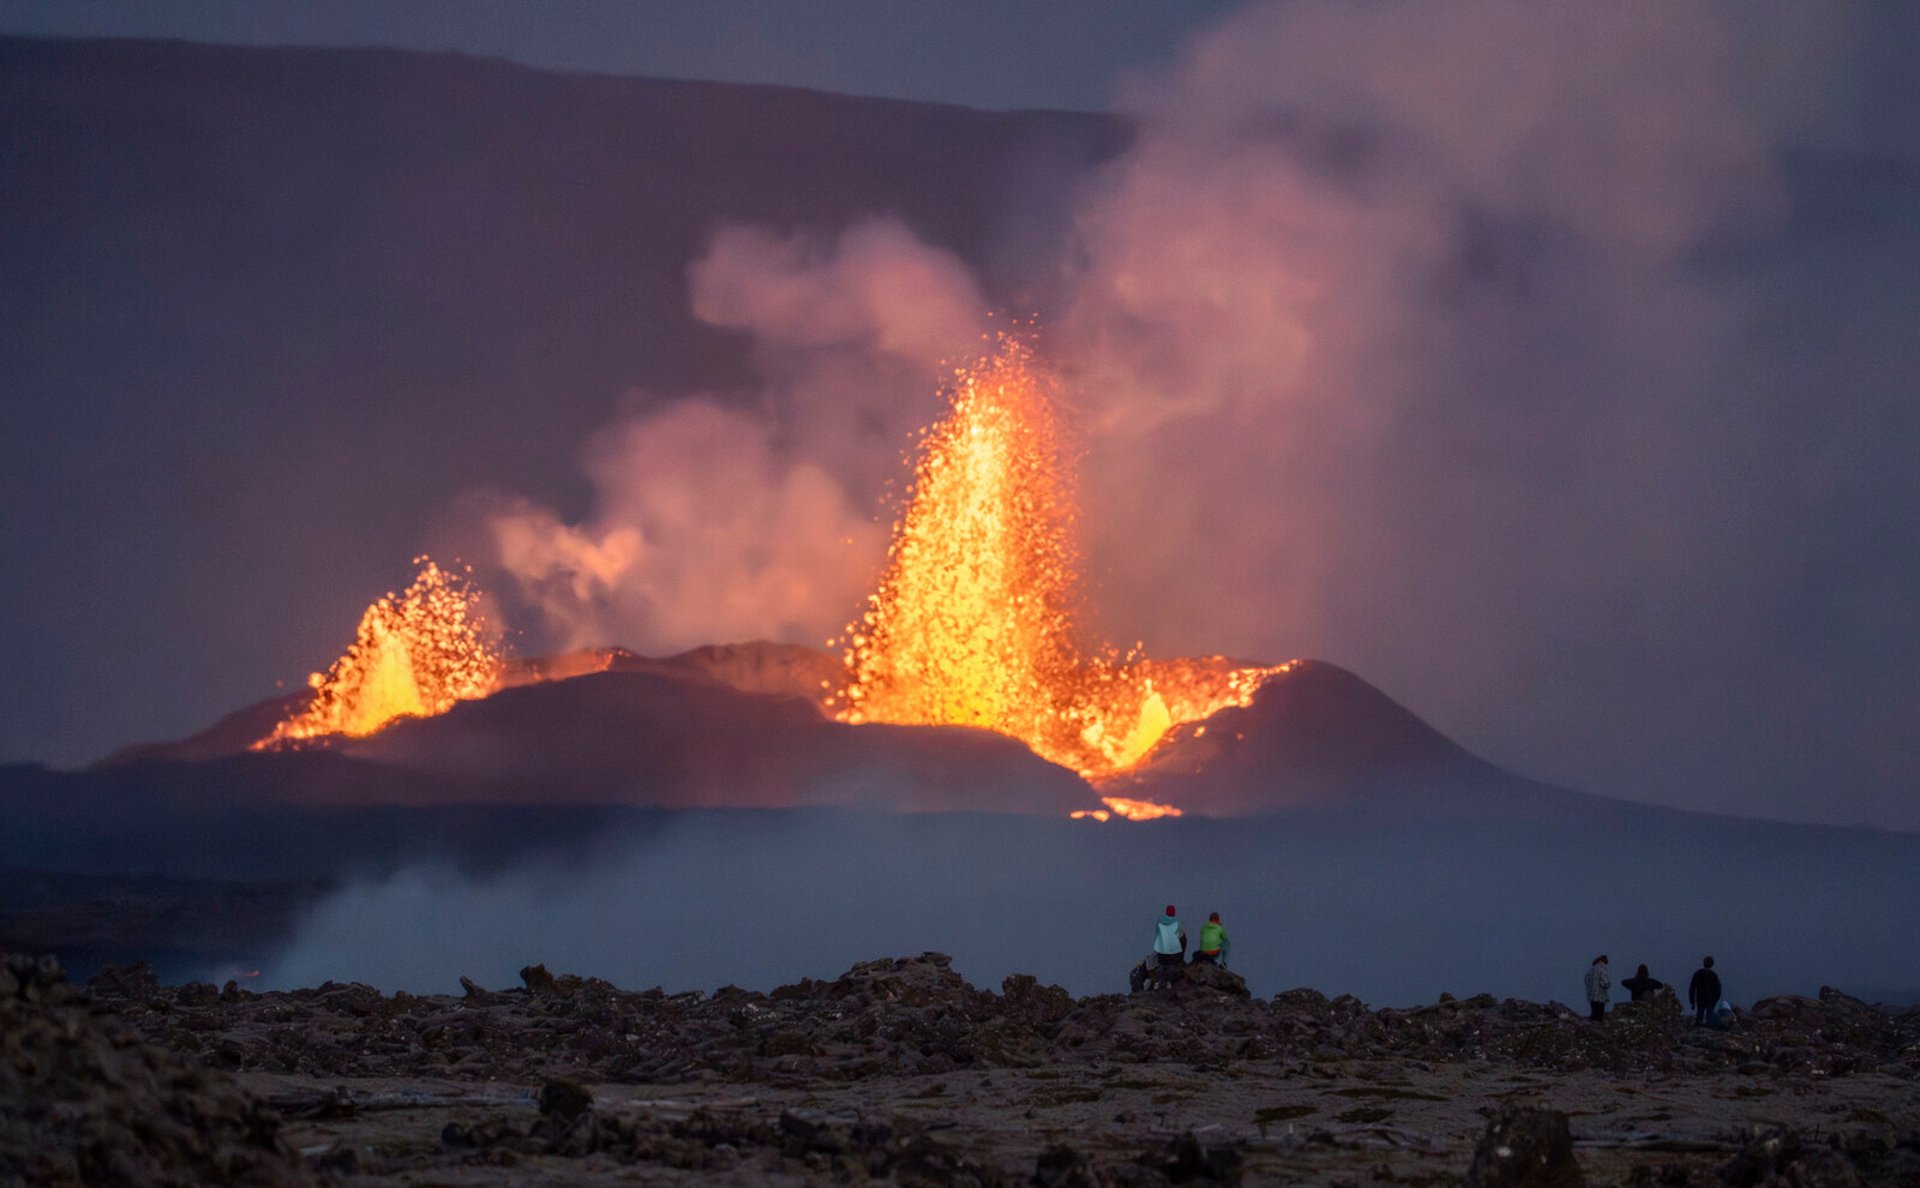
(85, 1099)
(917, 1015)
(885, 1071)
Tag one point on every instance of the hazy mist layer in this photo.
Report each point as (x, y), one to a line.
(1394, 913)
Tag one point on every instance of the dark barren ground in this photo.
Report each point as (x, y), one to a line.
(900, 1071)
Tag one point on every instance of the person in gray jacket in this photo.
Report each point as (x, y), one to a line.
(1599, 985)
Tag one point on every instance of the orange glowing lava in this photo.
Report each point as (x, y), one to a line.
(975, 621)
(1132, 810)
(415, 654)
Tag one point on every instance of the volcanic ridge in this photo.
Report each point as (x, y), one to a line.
(608, 726)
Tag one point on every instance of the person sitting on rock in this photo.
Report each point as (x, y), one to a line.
(1599, 987)
(1213, 943)
(1169, 941)
(1141, 974)
(1703, 992)
(1642, 985)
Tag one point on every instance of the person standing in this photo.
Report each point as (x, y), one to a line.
(1599, 986)
(1169, 941)
(1703, 992)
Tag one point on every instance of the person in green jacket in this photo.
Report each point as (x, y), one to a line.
(1213, 943)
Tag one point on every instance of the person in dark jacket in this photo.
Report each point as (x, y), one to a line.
(1642, 985)
(1703, 992)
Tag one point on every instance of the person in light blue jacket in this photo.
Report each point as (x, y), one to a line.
(1169, 942)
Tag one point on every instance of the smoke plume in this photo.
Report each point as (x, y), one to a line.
(1441, 341)
(1484, 348)
(727, 520)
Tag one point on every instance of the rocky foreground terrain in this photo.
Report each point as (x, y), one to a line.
(901, 1071)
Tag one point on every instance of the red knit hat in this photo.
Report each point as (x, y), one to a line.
(1170, 910)
(1214, 918)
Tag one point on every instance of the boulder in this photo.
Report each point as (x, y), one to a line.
(1525, 1147)
(1185, 1159)
(564, 1099)
(1206, 979)
(536, 979)
(1789, 1157)
(1026, 998)
(125, 981)
(84, 1101)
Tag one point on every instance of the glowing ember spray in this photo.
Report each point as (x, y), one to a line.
(975, 621)
(415, 654)
(971, 616)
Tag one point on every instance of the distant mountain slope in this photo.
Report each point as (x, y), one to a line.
(1318, 736)
(672, 742)
(232, 734)
(740, 725)
(264, 313)
(760, 667)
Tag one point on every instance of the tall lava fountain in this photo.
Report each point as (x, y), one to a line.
(976, 620)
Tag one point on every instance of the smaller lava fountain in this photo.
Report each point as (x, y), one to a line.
(976, 622)
(416, 653)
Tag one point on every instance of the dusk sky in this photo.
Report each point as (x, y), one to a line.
(1550, 366)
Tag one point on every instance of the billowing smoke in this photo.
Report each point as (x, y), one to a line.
(1487, 348)
(1491, 349)
(705, 532)
(1397, 323)
(719, 521)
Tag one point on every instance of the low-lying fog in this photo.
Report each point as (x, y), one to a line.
(1395, 913)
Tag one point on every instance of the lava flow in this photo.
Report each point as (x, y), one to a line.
(416, 653)
(975, 621)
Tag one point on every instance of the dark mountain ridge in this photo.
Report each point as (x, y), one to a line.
(743, 726)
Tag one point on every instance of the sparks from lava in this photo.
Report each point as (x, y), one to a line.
(976, 619)
(416, 653)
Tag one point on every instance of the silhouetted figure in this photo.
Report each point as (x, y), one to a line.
(1213, 943)
(1169, 943)
(1703, 992)
(1599, 987)
(1642, 985)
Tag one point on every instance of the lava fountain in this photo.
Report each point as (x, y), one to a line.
(976, 620)
(416, 653)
